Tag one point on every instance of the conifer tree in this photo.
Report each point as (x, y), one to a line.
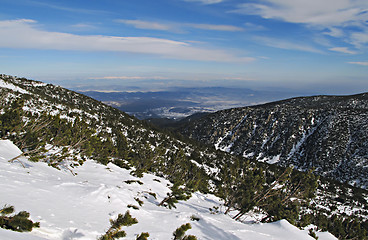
(179, 233)
(178, 193)
(11, 119)
(115, 231)
(17, 222)
(143, 236)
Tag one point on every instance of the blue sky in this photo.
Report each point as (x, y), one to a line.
(311, 45)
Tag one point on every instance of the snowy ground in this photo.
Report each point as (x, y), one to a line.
(79, 207)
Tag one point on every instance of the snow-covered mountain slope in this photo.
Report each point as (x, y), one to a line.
(63, 129)
(328, 133)
(80, 206)
(119, 136)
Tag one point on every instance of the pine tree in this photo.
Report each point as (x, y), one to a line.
(179, 233)
(143, 236)
(17, 222)
(177, 194)
(115, 231)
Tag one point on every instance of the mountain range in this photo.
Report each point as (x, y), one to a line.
(72, 133)
(177, 103)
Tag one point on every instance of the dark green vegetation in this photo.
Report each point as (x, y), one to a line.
(115, 231)
(179, 233)
(44, 118)
(327, 133)
(177, 194)
(143, 236)
(17, 222)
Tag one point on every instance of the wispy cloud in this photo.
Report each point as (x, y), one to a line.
(342, 50)
(228, 28)
(334, 32)
(25, 34)
(147, 24)
(83, 26)
(330, 17)
(314, 12)
(359, 63)
(254, 27)
(67, 9)
(178, 27)
(205, 1)
(359, 39)
(284, 44)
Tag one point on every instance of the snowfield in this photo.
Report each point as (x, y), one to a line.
(79, 207)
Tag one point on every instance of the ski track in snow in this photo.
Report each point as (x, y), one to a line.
(79, 207)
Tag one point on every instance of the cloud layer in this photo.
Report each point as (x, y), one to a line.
(360, 63)
(24, 34)
(177, 27)
(343, 50)
(205, 1)
(314, 12)
(146, 24)
(284, 44)
(336, 18)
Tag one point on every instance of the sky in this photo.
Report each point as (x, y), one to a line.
(310, 45)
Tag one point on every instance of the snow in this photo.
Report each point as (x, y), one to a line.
(79, 207)
(39, 84)
(229, 134)
(275, 159)
(303, 138)
(248, 155)
(270, 160)
(10, 86)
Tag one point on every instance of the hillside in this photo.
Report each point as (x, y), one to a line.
(79, 207)
(67, 131)
(328, 133)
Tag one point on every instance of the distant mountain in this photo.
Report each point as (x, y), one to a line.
(176, 103)
(169, 123)
(328, 133)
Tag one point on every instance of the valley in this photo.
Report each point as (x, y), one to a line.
(181, 102)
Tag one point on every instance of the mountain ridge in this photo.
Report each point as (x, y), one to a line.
(297, 131)
(65, 129)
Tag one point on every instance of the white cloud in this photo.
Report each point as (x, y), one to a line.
(359, 39)
(83, 26)
(177, 27)
(146, 24)
(24, 34)
(359, 63)
(283, 44)
(205, 1)
(254, 27)
(228, 28)
(342, 50)
(334, 32)
(68, 9)
(314, 12)
(330, 17)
